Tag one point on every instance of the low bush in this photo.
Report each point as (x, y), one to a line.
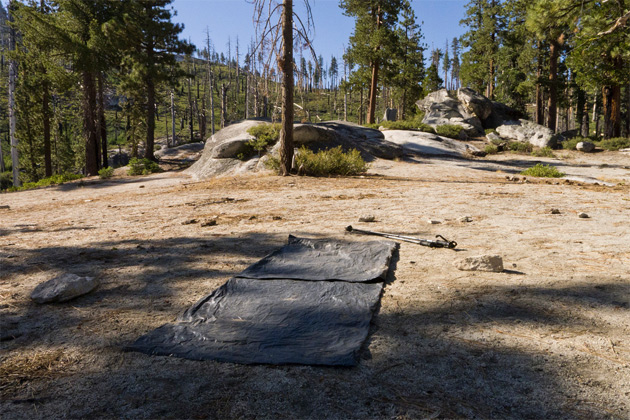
(6, 180)
(265, 135)
(491, 130)
(517, 146)
(491, 149)
(412, 125)
(57, 179)
(106, 173)
(330, 162)
(543, 171)
(543, 152)
(449, 130)
(142, 167)
(571, 143)
(615, 143)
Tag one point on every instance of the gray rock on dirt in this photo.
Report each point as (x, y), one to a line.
(527, 132)
(585, 146)
(429, 144)
(63, 288)
(493, 263)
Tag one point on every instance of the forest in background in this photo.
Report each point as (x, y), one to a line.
(94, 78)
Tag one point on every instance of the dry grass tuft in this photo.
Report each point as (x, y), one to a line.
(19, 369)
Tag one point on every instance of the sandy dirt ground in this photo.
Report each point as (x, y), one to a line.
(546, 338)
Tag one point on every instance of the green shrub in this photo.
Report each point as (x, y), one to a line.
(571, 143)
(491, 149)
(449, 130)
(330, 162)
(412, 125)
(265, 135)
(6, 180)
(543, 171)
(614, 143)
(543, 152)
(517, 146)
(491, 130)
(142, 167)
(106, 173)
(57, 179)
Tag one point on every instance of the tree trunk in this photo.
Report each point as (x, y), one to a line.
(286, 65)
(46, 123)
(102, 120)
(2, 168)
(173, 138)
(553, 84)
(224, 90)
(612, 106)
(584, 126)
(540, 109)
(373, 89)
(627, 133)
(148, 151)
(89, 124)
(580, 110)
(12, 117)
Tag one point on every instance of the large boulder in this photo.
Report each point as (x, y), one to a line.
(428, 144)
(440, 109)
(527, 132)
(223, 150)
(474, 103)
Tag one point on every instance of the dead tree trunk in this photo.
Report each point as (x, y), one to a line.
(286, 65)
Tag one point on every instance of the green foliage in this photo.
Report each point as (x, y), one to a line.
(45, 182)
(106, 173)
(543, 152)
(6, 180)
(543, 171)
(571, 143)
(491, 149)
(432, 80)
(412, 125)
(330, 162)
(142, 167)
(615, 143)
(490, 130)
(265, 135)
(449, 130)
(520, 147)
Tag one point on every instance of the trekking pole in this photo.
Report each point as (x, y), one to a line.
(443, 243)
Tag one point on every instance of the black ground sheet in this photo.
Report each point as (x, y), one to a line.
(270, 313)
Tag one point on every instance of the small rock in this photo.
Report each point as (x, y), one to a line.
(466, 219)
(583, 216)
(63, 288)
(252, 217)
(367, 219)
(627, 150)
(141, 186)
(87, 201)
(4, 207)
(492, 263)
(211, 222)
(189, 222)
(276, 218)
(585, 146)
(434, 222)
(512, 178)
(554, 211)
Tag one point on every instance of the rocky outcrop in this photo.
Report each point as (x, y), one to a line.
(439, 109)
(527, 132)
(427, 144)
(223, 150)
(476, 113)
(474, 103)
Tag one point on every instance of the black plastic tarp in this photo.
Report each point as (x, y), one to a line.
(279, 318)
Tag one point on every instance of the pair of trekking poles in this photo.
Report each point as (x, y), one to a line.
(441, 243)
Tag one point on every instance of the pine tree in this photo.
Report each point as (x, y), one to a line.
(407, 81)
(149, 45)
(446, 65)
(373, 41)
(455, 66)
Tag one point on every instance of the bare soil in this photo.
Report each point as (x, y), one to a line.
(546, 338)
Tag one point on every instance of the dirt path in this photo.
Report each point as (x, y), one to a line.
(547, 338)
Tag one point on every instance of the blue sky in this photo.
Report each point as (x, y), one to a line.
(232, 18)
